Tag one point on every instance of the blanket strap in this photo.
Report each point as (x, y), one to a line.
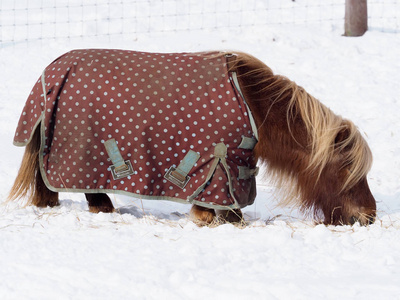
(179, 175)
(248, 143)
(120, 168)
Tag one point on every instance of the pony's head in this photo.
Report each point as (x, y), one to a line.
(336, 160)
(318, 159)
(340, 189)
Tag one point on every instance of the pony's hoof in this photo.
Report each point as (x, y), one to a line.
(202, 216)
(99, 209)
(234, 217)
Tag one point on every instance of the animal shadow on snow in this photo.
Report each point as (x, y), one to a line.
(168, 213)
(140, 213)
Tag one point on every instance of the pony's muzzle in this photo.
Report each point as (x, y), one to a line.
(363, 220)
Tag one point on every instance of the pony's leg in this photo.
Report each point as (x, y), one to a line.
(230, 216)
(202, 216)
(99, 203)
(42, 196)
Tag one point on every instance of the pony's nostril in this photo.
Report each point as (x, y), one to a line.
(371, 220)
(353, 220)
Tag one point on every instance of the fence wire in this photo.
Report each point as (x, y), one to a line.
(27, 20)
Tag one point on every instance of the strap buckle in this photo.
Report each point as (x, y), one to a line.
(122, 171)
(121, 168)
(176, 178)
(179, 175)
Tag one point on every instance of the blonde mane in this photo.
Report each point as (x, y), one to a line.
(323, 127)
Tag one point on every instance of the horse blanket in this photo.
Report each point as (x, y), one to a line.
(156, 126)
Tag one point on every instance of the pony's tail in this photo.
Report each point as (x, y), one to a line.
(29, 183)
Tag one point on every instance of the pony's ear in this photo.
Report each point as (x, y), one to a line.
(343, 135)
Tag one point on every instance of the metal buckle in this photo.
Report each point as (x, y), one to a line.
(122, 171)
(176, 178)
(179, 175)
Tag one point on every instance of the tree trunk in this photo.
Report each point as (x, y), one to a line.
(356, 18)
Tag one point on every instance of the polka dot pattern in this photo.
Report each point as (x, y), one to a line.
(156, 106)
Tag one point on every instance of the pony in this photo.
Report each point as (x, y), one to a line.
(318, 160)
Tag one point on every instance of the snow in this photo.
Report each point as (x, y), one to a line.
(150, 250)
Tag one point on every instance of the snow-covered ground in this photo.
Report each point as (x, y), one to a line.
(150, 250)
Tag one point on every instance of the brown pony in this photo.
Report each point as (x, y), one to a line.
(317, 159)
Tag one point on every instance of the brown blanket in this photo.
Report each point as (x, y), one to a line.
(116, 121)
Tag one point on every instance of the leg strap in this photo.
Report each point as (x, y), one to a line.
(220, 153)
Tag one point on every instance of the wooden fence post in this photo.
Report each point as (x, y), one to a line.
(356, 18)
